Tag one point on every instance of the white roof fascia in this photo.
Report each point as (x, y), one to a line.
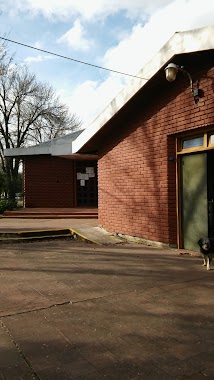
(30, 151)
(180, 43)
(58, 146)
(62, 147)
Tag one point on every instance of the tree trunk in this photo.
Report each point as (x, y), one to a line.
(12, 166)
(11, 191)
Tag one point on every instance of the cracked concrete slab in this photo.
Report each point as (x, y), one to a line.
(71, 310)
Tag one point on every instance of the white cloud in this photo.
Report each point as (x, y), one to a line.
(75, 37)
(38, 59)
(90, 98)
(144, 41)
(38, 45)
(89, 10)
(137, 46)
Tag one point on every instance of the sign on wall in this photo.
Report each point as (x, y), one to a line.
(82, 177)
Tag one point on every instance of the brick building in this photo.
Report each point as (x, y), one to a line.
(55, 178)
(53, 182)
(155, 147)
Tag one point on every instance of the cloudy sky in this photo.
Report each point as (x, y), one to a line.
(117, 34)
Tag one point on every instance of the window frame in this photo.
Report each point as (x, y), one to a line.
(207, 145)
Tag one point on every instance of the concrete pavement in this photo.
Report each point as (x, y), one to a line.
(87, 229)
(71, 310)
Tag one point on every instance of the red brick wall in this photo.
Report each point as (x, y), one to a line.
(48, 182)
(137, 181)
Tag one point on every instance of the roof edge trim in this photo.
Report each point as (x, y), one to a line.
(180, 43)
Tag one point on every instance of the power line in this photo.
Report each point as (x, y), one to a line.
(70, 59)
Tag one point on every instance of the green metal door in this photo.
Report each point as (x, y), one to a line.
(194, 204)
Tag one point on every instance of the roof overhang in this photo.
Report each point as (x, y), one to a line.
(76, 145)
(180, 43)
(61, 146)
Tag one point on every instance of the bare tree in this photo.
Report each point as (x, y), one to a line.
(30, 112)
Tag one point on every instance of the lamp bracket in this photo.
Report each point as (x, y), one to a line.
(194, 89)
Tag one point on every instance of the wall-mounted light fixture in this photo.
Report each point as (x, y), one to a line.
(171, 72)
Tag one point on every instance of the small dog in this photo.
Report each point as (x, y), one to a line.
(207, 250)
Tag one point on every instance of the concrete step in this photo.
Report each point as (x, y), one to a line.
(28, 235)
(17, 212)
(48, 216)
(35, 234)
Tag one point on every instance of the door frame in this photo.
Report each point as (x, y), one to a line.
(206, 145)
(86, 163)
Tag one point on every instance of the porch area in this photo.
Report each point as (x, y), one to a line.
(53, 213)
(42, 223)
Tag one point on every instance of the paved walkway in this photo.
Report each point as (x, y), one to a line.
(16, 224)
(71, 310)
(86, 228)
